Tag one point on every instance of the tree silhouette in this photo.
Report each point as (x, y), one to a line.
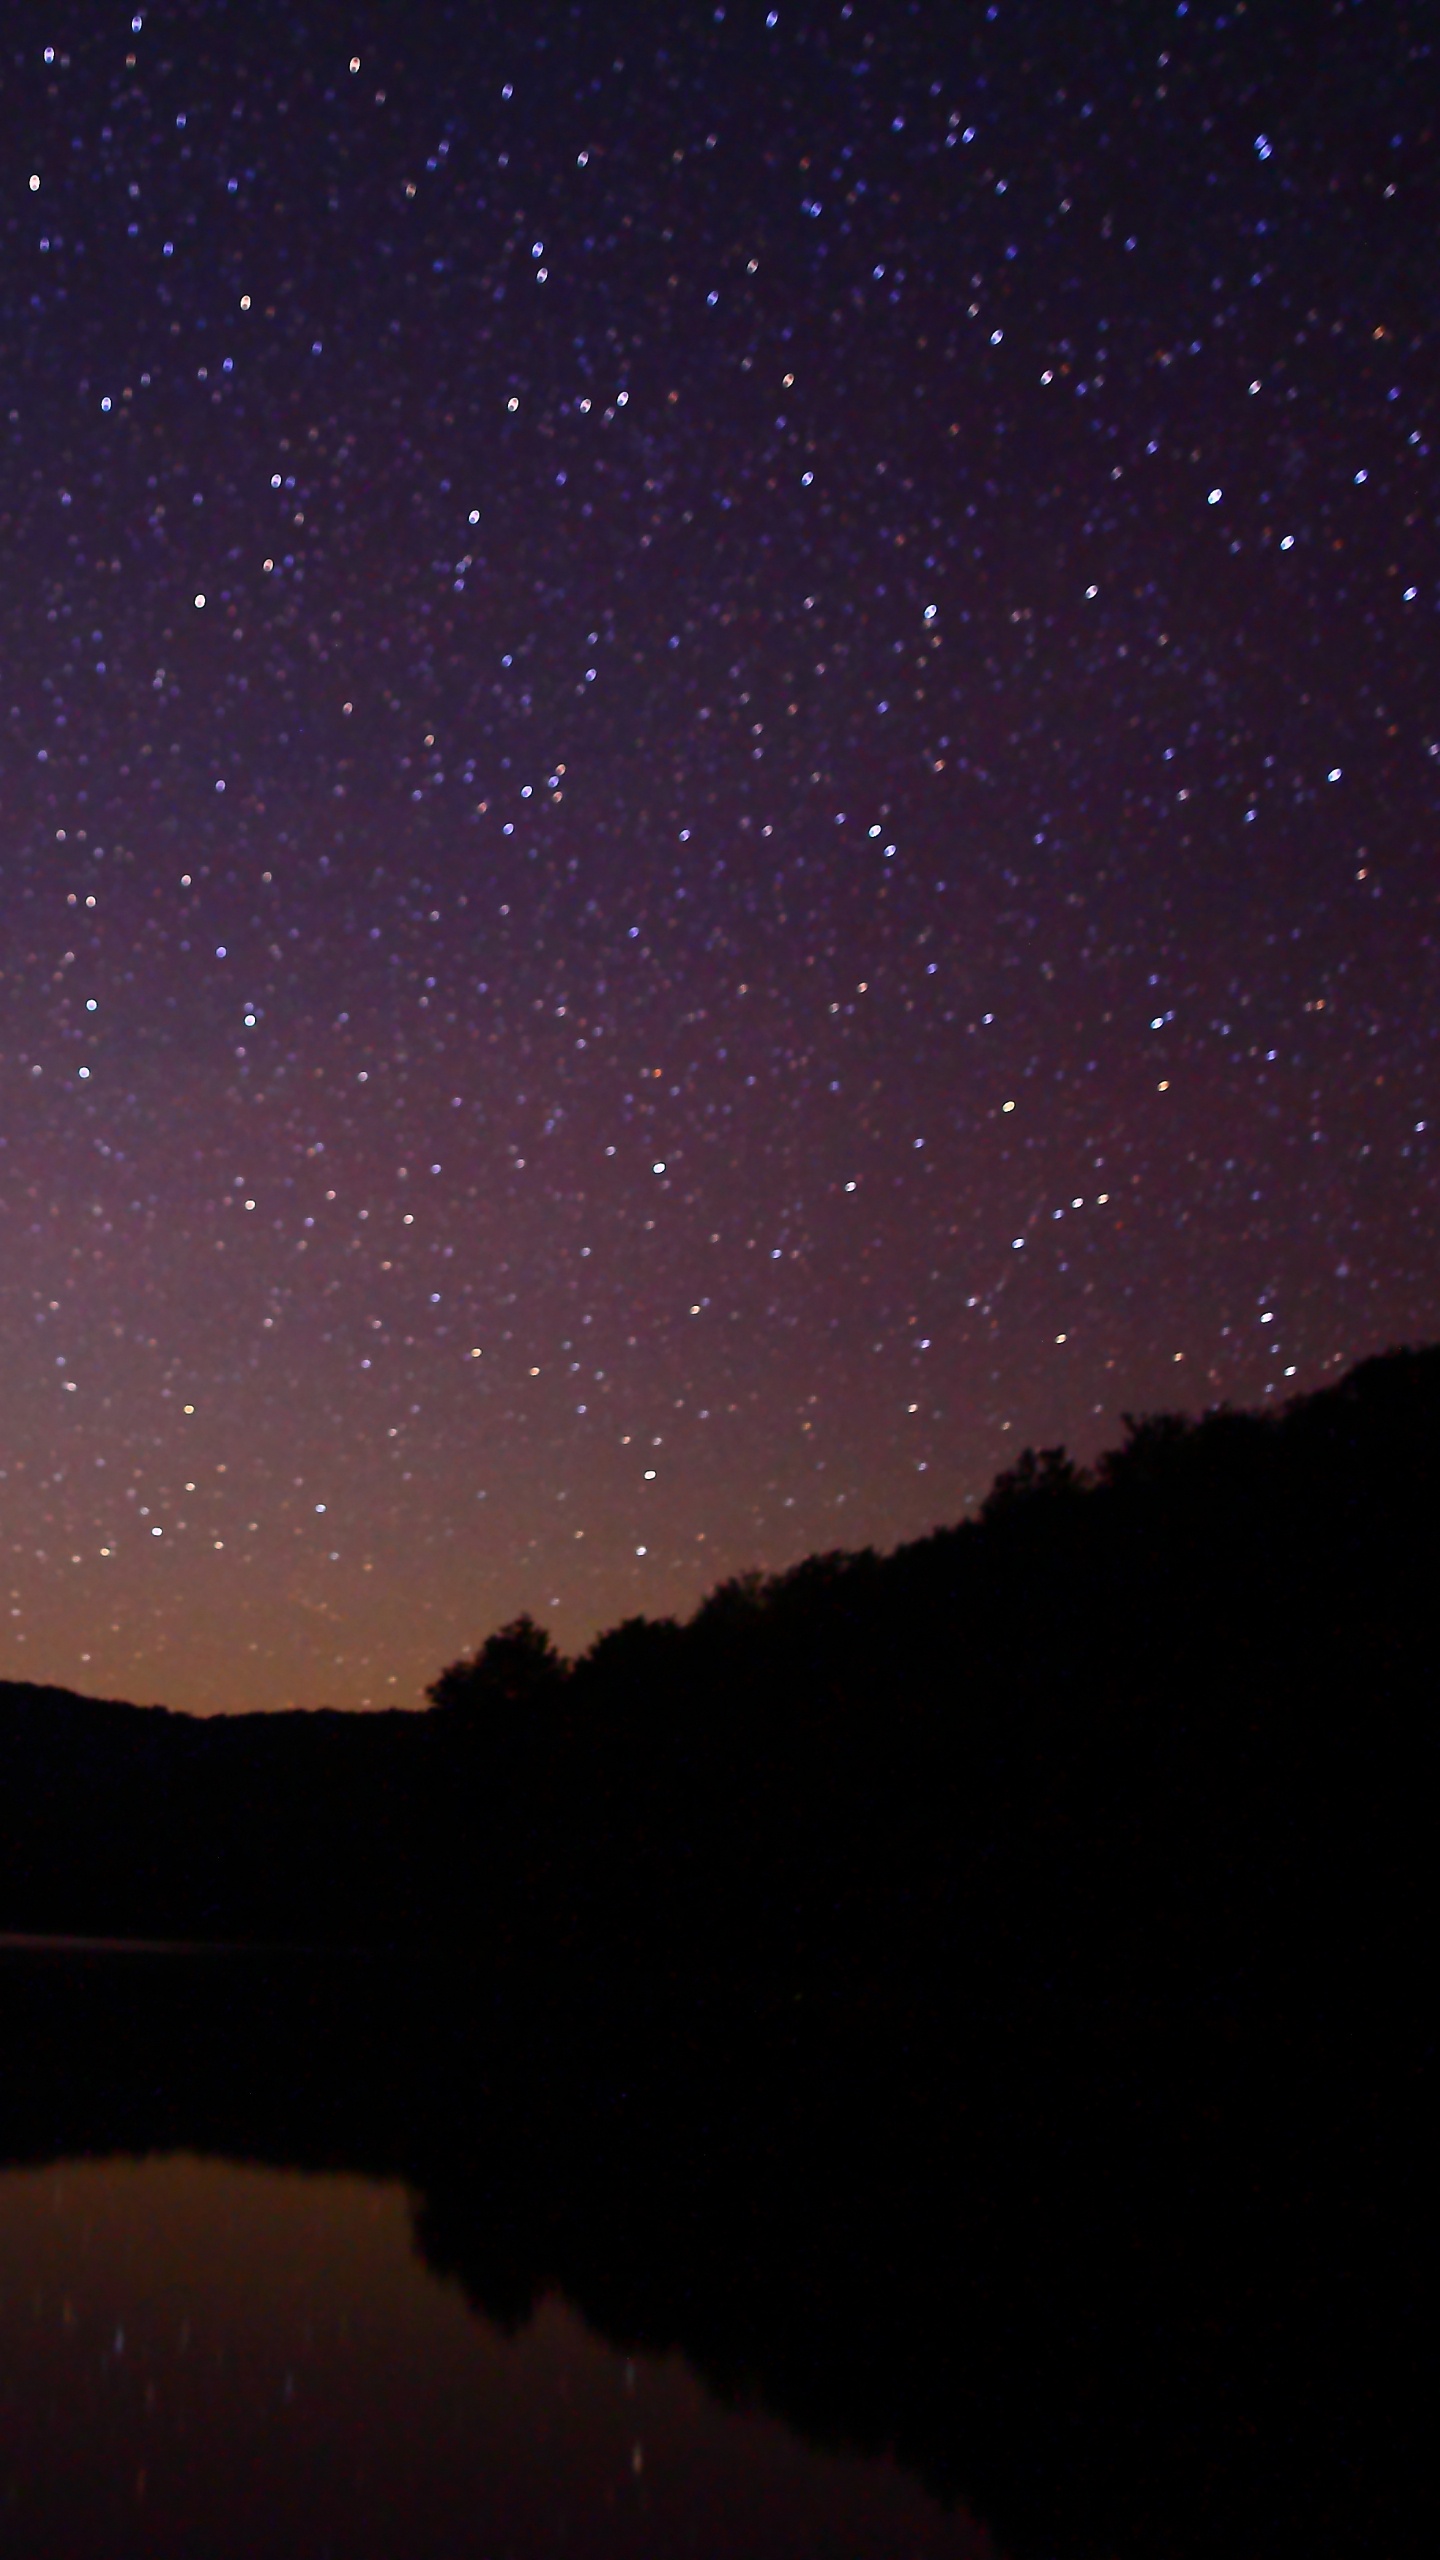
(517, 1667)
(1038, 1475)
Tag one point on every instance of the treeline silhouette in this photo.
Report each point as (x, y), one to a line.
(972, 2000)
(1152, 1732)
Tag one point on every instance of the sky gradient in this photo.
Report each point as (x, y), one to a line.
(718, 789)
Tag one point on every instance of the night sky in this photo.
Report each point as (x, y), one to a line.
(719, 757)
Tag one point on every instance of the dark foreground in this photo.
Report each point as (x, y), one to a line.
(972, 2001)
(1139, 2290)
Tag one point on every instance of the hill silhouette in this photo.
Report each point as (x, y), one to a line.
(1155, 1730)
(971, 1999)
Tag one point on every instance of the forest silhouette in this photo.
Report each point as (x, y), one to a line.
(972, 1999)
(1154, 1728)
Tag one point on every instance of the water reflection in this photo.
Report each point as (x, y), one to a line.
(197, 2357)
(1119, 2285)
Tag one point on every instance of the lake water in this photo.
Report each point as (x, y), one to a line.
(394, 2255)
(207, 2359)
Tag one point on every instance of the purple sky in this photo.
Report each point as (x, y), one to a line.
(718, 789)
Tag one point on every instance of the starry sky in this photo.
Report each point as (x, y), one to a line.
(718, 788)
